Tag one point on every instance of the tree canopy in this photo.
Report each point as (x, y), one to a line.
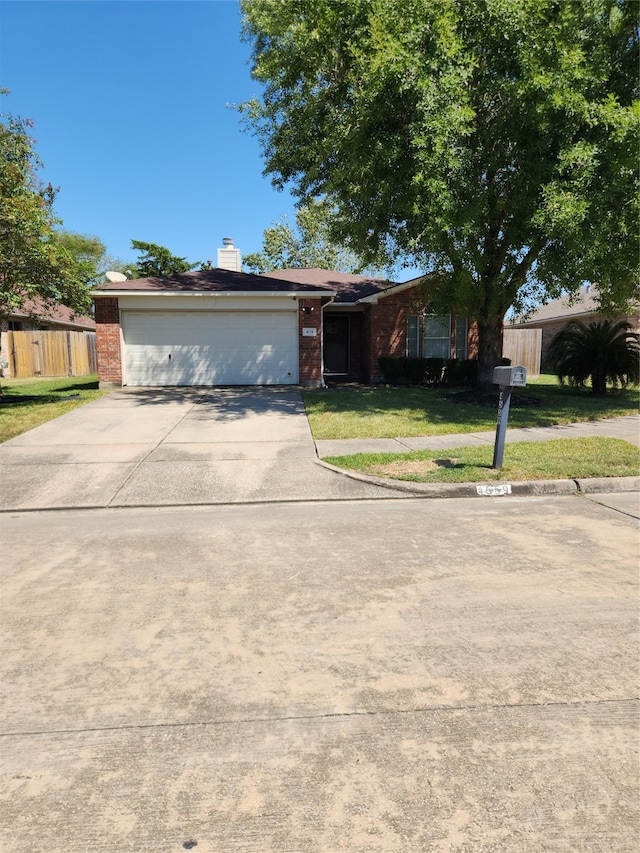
(37, 261)
(157, 260)
(493, 143)
(308, 244)
(89, 252)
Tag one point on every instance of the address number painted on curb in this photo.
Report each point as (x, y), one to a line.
(494, 491)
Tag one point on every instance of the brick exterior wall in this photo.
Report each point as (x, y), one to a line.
(310, 348)
(385, 332)
(108, 342)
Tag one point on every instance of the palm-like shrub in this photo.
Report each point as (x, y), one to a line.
(606, 352)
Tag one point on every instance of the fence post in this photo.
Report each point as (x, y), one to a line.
(70, 368)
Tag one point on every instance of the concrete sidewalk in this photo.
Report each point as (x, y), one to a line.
(626, 428)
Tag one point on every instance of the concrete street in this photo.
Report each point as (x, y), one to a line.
(211, 642)
(415, 675)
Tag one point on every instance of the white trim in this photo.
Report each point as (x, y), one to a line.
(199, 293)
(374, 298)
(259, 302)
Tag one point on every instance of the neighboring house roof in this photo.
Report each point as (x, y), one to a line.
(563, 309)
(58, 315)
(211, 281)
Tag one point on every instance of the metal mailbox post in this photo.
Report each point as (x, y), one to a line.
(507, 378)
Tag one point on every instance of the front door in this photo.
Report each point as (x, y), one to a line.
(336, 344)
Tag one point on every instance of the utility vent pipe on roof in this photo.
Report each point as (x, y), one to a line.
(229, 258)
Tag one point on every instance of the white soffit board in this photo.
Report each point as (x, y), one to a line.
(234, 348)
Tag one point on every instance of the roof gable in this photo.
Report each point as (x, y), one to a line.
(349, 289)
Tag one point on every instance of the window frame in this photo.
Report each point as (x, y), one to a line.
(457, 341)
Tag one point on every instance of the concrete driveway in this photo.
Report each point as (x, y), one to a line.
(155, 447)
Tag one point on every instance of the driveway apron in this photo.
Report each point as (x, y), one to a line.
(155, 447)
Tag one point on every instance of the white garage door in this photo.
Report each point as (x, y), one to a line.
(206, 348)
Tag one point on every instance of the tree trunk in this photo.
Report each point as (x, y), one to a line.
(489, 350)
(599, 381)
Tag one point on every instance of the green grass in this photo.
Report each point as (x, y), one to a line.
(388, 412)
(537, 460)
(18, 417)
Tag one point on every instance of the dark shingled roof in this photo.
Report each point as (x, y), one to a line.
(348, 287)
(211, 281)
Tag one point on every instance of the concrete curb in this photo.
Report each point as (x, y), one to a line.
(604, 484)
(520, 488)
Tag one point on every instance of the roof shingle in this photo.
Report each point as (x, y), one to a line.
(348, 287)
(209, 281)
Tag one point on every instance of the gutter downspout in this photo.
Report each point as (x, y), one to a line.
(322, 307)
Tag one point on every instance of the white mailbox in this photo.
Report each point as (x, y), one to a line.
(510, 377)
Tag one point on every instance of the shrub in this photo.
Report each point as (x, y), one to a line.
(461, 372)
(605, 352)
(397, 371)
(434, 369)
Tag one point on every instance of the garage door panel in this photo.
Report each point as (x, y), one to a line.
(252, 348)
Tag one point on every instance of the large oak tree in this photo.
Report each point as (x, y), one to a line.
(492, 143)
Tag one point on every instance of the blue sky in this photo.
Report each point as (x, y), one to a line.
(131, 119)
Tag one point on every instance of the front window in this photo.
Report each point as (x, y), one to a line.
(413, 336)
(436, 336)
(430, 336)
(461, 337)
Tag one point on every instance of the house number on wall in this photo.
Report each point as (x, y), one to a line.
(309, 333)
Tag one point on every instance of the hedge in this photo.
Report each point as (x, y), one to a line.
(429, 371)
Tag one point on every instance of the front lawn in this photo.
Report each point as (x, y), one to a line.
(28, 403)
(391, 412)
(560, 459)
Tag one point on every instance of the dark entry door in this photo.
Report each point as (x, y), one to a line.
(336, 345)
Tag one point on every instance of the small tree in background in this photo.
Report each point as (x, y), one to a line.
(308, 244)
(604, 352)
(156, 260)
(89, 253)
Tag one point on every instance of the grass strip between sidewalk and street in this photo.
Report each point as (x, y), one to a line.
(556, 459)
(28, 403)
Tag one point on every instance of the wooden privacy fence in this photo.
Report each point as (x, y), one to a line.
(61, 353)
(523, 346)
